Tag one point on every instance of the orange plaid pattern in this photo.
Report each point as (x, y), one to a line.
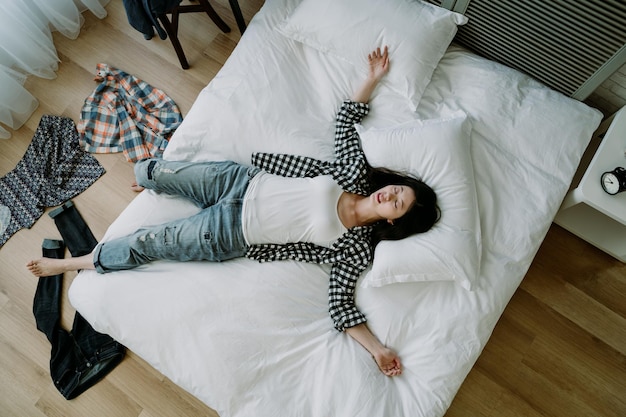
(126, 114)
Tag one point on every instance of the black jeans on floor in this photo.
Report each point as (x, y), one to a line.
(82, 357)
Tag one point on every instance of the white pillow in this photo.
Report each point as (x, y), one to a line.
(438, 152)
(512, 110)
(416, 33)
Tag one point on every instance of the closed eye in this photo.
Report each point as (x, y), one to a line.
(400, 191)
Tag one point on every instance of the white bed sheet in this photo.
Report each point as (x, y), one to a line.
(253, 339)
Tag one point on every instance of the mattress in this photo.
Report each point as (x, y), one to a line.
(255, 339)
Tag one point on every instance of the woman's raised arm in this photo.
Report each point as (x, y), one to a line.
(378, 67)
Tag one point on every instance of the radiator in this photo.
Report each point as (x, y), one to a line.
(571, 46)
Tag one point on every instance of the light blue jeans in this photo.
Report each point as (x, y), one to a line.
(214, 234)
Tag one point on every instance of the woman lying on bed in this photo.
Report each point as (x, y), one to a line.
(328, 208)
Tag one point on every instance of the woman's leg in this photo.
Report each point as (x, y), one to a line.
(46, 267)
(214, 234)
(204, 182)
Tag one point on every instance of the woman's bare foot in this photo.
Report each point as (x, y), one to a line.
(136, 187)
(46, 267)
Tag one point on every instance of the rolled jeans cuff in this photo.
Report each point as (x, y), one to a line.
(96, 259)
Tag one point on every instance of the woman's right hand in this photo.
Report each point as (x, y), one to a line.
(378, 63)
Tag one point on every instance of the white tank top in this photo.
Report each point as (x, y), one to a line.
(288, 210)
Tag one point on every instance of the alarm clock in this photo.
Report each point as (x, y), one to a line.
(614, 182)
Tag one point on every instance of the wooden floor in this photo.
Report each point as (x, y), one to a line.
(557, 351)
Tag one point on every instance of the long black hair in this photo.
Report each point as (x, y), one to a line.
(420, 217)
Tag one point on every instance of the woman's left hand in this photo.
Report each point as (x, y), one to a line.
(388, 362)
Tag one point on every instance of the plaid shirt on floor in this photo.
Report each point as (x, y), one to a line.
(126, 114)
(352, 252)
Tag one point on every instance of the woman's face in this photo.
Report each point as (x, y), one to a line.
(393, 201)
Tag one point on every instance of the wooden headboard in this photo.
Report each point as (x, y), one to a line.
(571, 46)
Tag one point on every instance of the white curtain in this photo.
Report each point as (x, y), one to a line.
(27, 48)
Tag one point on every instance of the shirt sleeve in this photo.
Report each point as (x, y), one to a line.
(343, 278)
(351, 166)
(347, 144)
(287, 165)
(341, 305)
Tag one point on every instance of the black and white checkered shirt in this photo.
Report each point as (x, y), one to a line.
(352, 252)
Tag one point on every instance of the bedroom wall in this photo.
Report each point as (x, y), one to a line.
(611, 95)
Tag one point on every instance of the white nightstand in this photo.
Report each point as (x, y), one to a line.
(589, 212)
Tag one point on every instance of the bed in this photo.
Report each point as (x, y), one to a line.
(255, 339)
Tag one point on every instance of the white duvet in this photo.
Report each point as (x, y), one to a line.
(252, 339)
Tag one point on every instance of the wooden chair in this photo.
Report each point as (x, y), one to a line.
(171, 26)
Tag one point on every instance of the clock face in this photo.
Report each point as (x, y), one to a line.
(610, 183)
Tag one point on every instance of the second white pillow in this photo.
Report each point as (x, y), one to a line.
(438, 152)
